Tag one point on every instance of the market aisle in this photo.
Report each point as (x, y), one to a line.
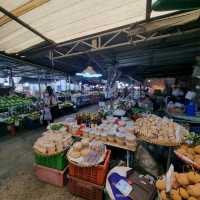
(17, 179)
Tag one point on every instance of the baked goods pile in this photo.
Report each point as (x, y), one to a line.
(184, 186)
(159, 130)
(52, 143)
(86, 153)
(190, 154)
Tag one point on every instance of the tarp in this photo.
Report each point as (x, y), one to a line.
(167, 5)
(64, 20)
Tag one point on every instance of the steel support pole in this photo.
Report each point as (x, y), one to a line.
(39, 80)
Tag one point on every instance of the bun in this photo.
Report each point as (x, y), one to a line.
(75, 154)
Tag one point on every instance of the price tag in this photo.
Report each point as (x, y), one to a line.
(169, 178)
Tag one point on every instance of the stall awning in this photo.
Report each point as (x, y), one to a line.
(64, 20)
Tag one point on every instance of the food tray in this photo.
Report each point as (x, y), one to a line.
(73, 161)
(187, 160)
(96, 174)
(85, 189)
(51, 176)
(58, 161)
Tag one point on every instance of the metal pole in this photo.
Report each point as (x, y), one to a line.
(39, 79)
(148, 10)
(69, 85)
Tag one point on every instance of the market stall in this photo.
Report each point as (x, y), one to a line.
(111, 93)
(89, 156)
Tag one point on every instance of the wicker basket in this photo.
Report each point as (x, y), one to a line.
(159, 142)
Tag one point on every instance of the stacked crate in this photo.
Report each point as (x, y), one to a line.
(89, 182)
(51, 169)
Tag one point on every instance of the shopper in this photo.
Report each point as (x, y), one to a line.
(49, 100)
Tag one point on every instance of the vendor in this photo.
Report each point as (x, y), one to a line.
(49, 96)
(145, 102)
(178, 95)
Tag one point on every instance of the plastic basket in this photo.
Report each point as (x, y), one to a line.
(96, 174)
(85, 189)
(51, 176)
(58, 161)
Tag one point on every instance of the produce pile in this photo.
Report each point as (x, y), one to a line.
(161, 131)
(13, 101)
(65, 104)
(52, 143)
(86, 153)
(190, 154)
(184, 186)
(124, 104)
(56, 127)
(34, 115)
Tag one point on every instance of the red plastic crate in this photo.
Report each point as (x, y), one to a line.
(96, 174)
(50, 175)
(84, 189)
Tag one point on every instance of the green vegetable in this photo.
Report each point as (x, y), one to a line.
(56, 127)
(194, 138)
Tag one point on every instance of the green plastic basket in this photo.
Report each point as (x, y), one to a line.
(58, 161)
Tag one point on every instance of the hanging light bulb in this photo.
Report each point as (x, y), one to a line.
(89, 72)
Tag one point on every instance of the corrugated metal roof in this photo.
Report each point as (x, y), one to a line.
(62, 20)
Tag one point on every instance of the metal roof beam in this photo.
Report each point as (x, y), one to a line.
(108, 38)
(130, 42)
(19, 21)
(23, 9)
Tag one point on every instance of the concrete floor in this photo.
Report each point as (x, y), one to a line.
(17, 179)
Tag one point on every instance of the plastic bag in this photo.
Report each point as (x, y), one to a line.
(144, 161)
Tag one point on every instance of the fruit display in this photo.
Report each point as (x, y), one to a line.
(190, 154)
(34, 115)
(52, 143)
(160, 131)
(65, 104)
(184, 186)
(8, 102)
(86, 153)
